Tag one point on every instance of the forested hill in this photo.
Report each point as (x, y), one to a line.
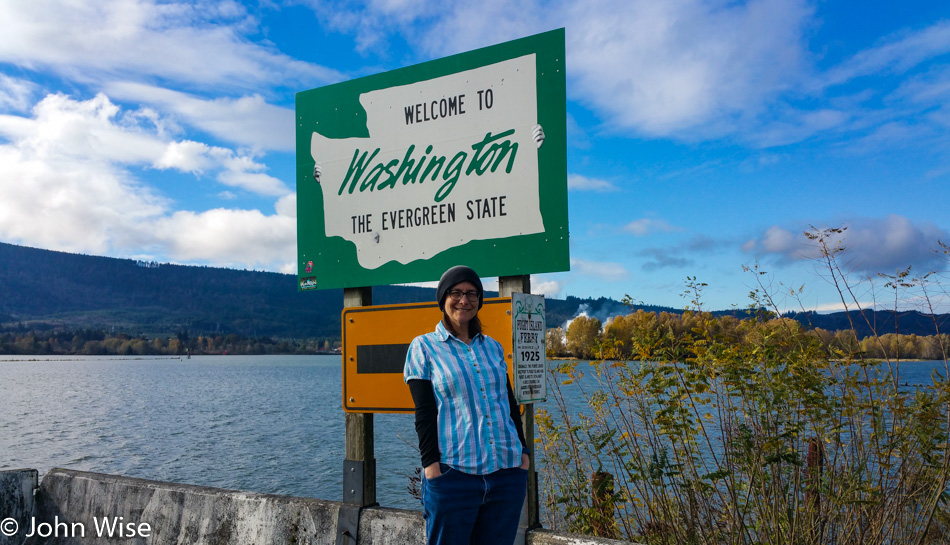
(881, 322)
(79, 291)
(42, 288)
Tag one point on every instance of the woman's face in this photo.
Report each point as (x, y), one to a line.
(463, 310)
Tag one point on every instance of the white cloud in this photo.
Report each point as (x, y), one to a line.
(681, 256)
(64, 129)
(577, 182)
(646, 226)
(605, 270)
(861, 99)
(870, 245)
(435, 28)
(70, 183)
(547, 288)
(187, 156)
(15, 94)
(543, 287)
(245, 172)
(687, 69)
(664, 67)
(795, 125)
(657, 68)
(256, 182)
(783, 243)
(431, 284)
(231, 238)
(838, 306)
(488, 284)
(246, 121)
(895, 54)
(287, 206)
(930, 88)
(237, 170)
(577, 136)
(70, 204)
(200, 44)
(780, 241)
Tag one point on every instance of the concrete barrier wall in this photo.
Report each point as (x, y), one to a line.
(74, 507)
(16, 502)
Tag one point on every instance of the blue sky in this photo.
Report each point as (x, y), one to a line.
(702, 135)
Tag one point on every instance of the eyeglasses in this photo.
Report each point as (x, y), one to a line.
(456, 295)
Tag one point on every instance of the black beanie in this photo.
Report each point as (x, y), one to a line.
(457, 275)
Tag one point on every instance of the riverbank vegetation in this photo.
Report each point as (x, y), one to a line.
(587, 338)
(89, 342)
(756, 430)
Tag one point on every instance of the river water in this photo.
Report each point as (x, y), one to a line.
(269, 424)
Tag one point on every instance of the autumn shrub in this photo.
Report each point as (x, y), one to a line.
(744, 432)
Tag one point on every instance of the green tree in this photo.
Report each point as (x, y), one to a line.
(582, 337)
(618, 332)
(554, 342)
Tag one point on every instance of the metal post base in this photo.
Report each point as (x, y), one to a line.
(348, 521)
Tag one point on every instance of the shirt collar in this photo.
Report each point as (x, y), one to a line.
(444, 334)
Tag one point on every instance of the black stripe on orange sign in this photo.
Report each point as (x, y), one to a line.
(381, 358)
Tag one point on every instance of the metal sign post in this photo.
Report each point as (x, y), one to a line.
(359, 465)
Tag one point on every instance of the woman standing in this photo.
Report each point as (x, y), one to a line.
(474, 455)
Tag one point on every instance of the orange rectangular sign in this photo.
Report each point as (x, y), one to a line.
(376, 340)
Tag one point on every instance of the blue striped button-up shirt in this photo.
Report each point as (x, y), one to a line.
(476, 433)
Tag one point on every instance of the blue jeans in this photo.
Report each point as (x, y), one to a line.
(464, 509)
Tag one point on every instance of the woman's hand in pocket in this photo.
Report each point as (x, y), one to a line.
(432, 471)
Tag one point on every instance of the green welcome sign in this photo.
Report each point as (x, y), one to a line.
(460, 160)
